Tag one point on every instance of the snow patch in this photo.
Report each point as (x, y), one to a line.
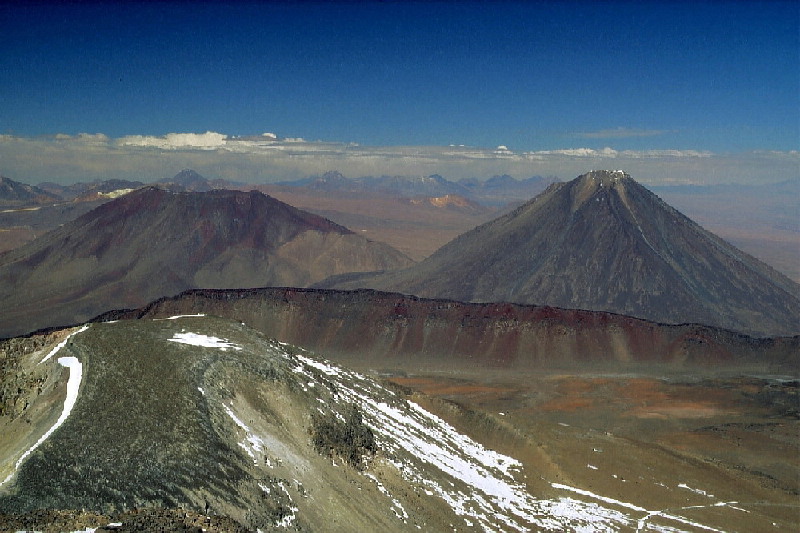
(696, 491)
(63, 343)
(73, 384)
(397, 508)
(291, 517)
(252, 444)
(196, 339)
(319, 365)
(640, 524)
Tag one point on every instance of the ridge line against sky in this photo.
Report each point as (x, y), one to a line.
(672, 91)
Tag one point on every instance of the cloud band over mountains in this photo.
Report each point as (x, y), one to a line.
(267, 158)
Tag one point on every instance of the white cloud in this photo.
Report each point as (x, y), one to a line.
(202, 141)
(267, 158)
(577, 152)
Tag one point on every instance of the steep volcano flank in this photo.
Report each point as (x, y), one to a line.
(151, 243)
(603, 242)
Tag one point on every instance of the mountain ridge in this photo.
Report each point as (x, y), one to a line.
(369, 328)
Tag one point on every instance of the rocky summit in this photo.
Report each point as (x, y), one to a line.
(604, 242)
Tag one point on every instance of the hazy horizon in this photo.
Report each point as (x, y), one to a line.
(265, 159)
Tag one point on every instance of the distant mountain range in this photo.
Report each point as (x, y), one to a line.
(190, 181)
(604, 242)
(186, 180)
(152, 242)
(14, 193)
(98, 190)
(495, 191)
(498, 190)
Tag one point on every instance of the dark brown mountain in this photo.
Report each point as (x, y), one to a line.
(152, 243)
(604, 242)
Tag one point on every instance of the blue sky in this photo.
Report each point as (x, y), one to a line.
(722, 77)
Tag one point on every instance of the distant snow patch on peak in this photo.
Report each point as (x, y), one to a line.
(197, 339)
(115, 193)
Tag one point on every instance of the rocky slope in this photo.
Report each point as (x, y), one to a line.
(204, 416)
(152, 243)
(370, 329)
(604, 242)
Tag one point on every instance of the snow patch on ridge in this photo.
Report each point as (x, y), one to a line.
(73, 385)
(197, 339)
(176, 317)
(63, 343)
